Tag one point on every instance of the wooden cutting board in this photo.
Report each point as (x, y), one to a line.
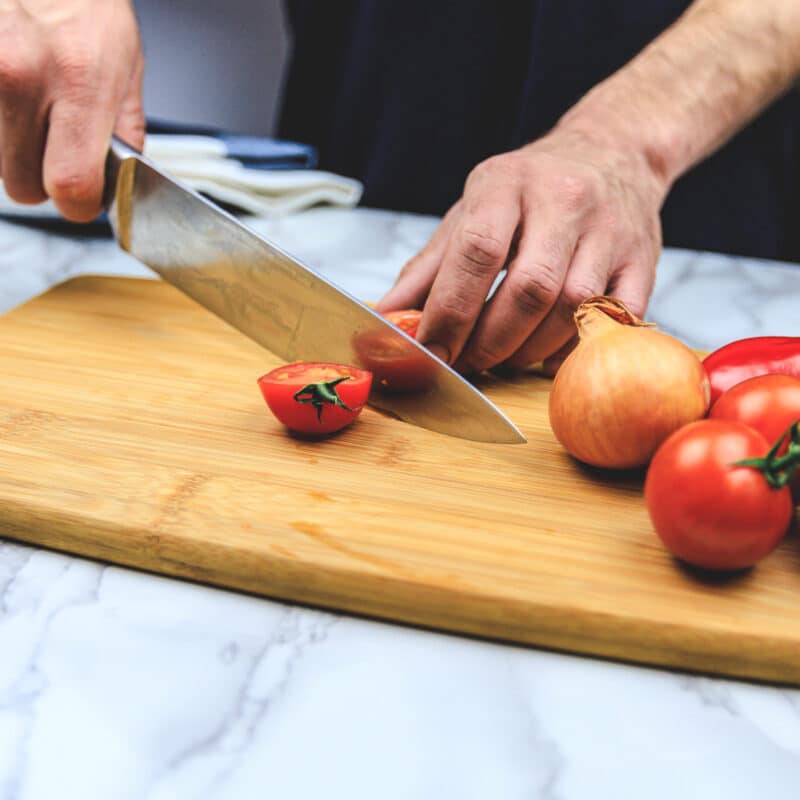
(132, 431)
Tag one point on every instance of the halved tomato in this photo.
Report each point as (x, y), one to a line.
(407, 320)
(316, 398)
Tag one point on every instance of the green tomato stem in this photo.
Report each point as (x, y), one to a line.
(321, 394)
(777, 470)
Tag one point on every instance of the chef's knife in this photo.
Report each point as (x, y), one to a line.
(279, 302)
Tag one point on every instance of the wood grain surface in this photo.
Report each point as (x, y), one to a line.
(132, 431)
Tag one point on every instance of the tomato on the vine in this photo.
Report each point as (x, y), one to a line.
(316, 398)
(768, 403)
(707, 510)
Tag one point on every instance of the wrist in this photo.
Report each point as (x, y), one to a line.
(605, 116)
(695, 85)
(599, 140)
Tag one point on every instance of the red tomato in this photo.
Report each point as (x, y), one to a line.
(708, 511)
(407, 320)
(316, 398)
(398, 365)
(768, 403)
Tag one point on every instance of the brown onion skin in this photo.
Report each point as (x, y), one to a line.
(616, 423)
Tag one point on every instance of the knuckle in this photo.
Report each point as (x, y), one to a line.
(484, 168)
(20, 72)
(452, 315)
(504, 164)
(504, 167)
(613, 226)
(480, 248)
(515, 165)
(572, 295)
(575, 191)
(534, 290)
(476, 176)
(76, 68)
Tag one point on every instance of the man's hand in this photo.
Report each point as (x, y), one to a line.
(569, 217)
(577, 212)
(70, 75)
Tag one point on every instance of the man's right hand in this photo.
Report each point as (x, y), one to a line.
(70, 75)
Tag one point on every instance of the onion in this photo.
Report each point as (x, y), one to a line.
(624, 388)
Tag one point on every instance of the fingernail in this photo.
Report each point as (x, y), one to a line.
(440, 351)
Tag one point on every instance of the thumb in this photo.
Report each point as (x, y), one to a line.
(130, 123)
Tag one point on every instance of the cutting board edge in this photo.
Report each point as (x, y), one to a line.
(386, 598)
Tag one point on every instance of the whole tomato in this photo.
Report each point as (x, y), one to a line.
(768, 403)
(707, 510)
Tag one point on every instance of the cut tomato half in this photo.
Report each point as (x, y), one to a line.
(316, 398)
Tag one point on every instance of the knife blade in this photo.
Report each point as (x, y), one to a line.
(282, 304)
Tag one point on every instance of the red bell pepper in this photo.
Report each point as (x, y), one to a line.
(746, 358)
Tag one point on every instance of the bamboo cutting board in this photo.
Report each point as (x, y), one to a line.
(132, 431)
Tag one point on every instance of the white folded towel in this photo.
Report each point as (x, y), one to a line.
(201, 162)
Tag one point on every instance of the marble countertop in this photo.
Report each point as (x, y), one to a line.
(116, 684)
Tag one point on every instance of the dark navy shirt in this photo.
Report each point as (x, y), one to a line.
(409, 95)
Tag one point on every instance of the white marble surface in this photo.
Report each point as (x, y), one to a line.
(116, 684)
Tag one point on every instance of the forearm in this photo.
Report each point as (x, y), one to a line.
(697, 84)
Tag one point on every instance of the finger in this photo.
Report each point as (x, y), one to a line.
(22, 122)
(552, 363)
(417, 275)
(476, 252)
(75, 152)
(587, 276)
(130, 123)
(22, 138)
(415, 287)
(526, 295)
(633, 282)
(415, 280)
